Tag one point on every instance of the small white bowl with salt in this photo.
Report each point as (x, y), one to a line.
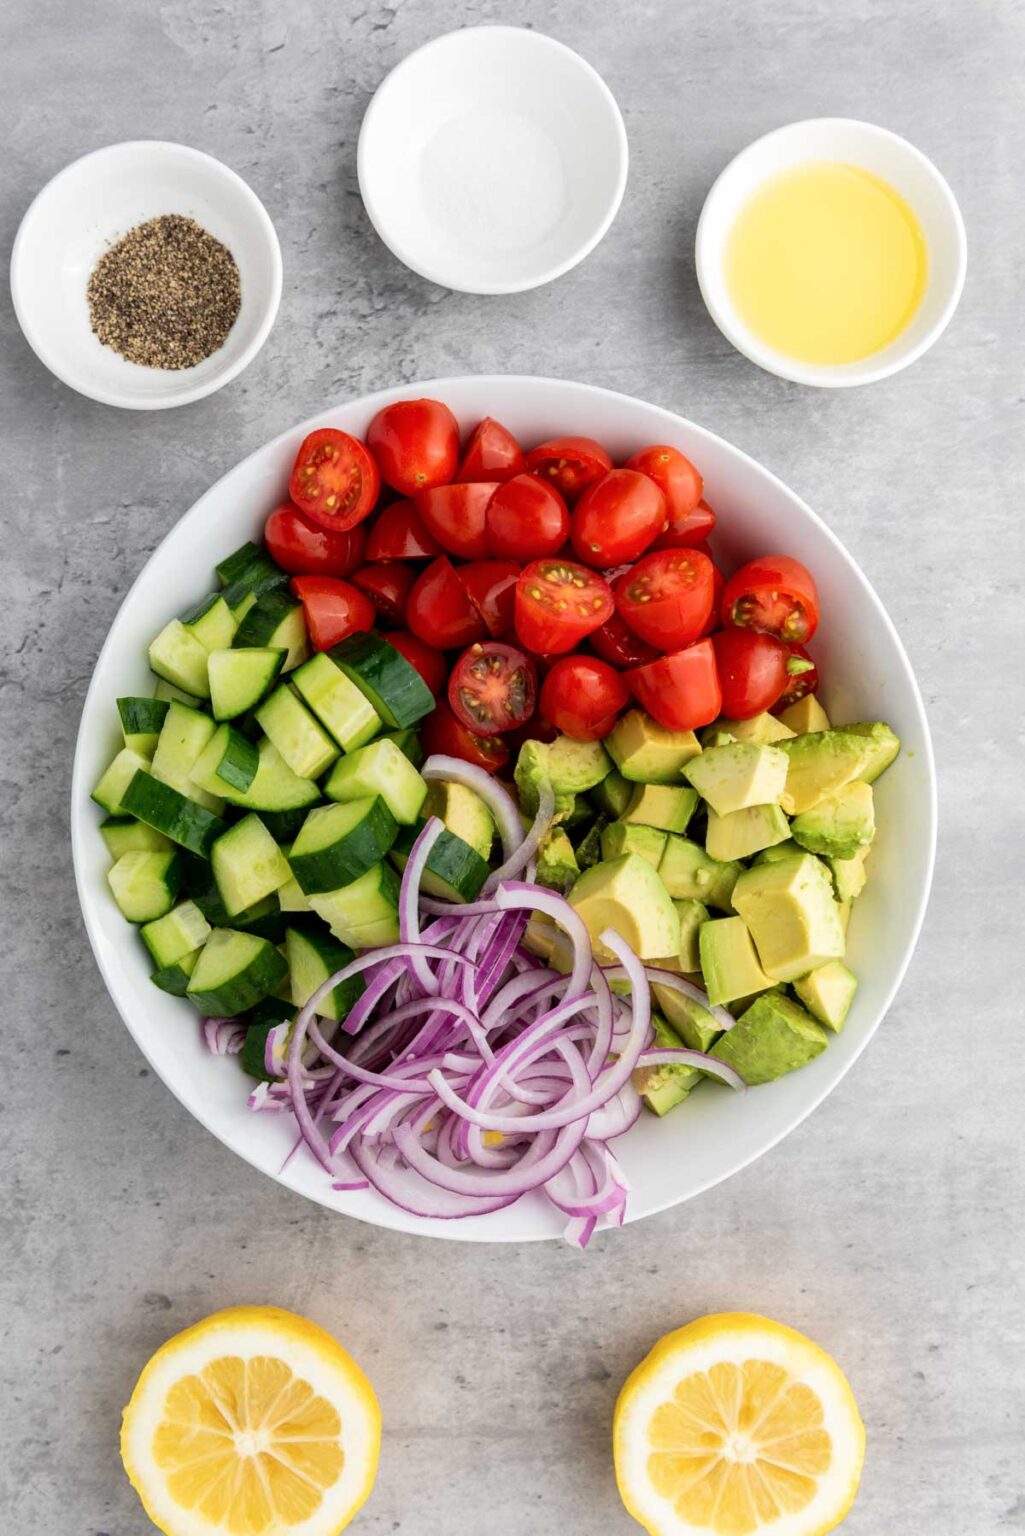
(492, 160)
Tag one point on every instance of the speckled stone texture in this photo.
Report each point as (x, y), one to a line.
(890, 1225)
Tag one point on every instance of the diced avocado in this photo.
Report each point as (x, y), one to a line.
(627, 895)
(579, 816)
(741, 774)
(612, 795)
(789, 908)
(544, 938)
(805, 716)
(663, 1087)
(839, 825)
(843, 909)
(557, 865)
(741, 833)
(570, 767)
(621, 837)
(729, 963)
(691, 914)
(463, 813)
(774, 1036)
(686, 870)
(883, 747)
(589, 846)
(646, 752)
(760, 728)
(778, 851)
(696, 1027)
(822, 762)
(828, 992)
(668, 806)
(848, 875)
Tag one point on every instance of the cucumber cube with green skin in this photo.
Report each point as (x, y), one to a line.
(178, 657)
(408, 743)
(247, 864)
(167, 691)
(379, 769)
(175, 978)
(828, 993)
(365, 913)
(161, 806)
(274, 786)
(227, 764)
(621, 837)
(314, 956)
(454, 870)
(276, 620)
(668, 807)
(211, 622)
(338, 704)
(393, 686)
(141, 720)
(297, 734)
(251, 568)
(183, 737)
(235, 971)
(239, 678)
(338, 843)
(123, 834)
(686, 870)
(145, 884)
(292, 897)
(114, 782)
(178, 933)
(772, 1037)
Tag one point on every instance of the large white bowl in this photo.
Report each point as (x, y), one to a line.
(867, 677)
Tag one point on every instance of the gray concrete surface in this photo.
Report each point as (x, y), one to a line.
(890, 1225)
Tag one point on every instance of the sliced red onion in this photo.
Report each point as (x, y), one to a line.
(678, 983)
(517, 895)
(670, 1056)
(519, 859)
(497, 799)
(407, 1189)
(616, 1116)
(409, 897)
(224, 1037)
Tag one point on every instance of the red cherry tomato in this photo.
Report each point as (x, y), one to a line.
(493, 688)
(491, 585)
(675, 476)
(537, 728)
(616, 519)
(569, 463)
(680, 691)
(527, 519)
(303, 547)
(775, 594)
(802, 675)
(667, 597)
(439, 610)
(398, 534)
(334, 609)
(442, 732)
(416, 444)
(582, 697)
(388, 586)
(454, 515)
(491, 454)
(617, 644)
(432, 665)
(752, 671)
(719, 581)
(334, 479)
(558, 603)
(689, 531)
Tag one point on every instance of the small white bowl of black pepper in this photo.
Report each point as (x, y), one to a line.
(146, 275)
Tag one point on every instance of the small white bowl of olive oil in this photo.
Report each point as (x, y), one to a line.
(831, 252)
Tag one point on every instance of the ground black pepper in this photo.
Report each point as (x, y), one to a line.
(166, 294)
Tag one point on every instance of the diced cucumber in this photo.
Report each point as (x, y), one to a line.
(274, 787)
(167, 691)
(178, 933)
(408, 743)
(394, 687)
(145, 884)
(234, 971)
(380, 769)
(247, 865)
(251, 569)
(337, 703)
(141, 720)
(298, 735)
(454, 871)
(292, 897)
(364, 914)
(313, 956)
(338, 843)
(239, 678)
(261, 1020)
(175, 978)
(170, 812)
(123, 834)
(276, 619)
(266, 918)
(283, 826)
(183, 736)
(211, 622)
(227, 765)
(113, 783)
(180, 658)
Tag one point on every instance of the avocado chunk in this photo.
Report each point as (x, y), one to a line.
(570, 767)
(612, 795)
(729, 963)
(778, 851)
(687, 870)
(828, 993)
(627, 895)
(589, 846)
(738, 775)
(668, 806)
(557, 865)
(848, 875)
(696, 1027)
(823, 762)
(840, 824)
(774, 1036)
(691, 914)
(620, 837)
(739, 834)
(804, 716)
(463, 813)
(759, 728)
(646, 752)
(789, 908)
(663, 1087)
(843, 909)
(882, 745)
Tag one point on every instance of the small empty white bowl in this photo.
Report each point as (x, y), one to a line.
(85, 209)
(492, 160)
(885, 155)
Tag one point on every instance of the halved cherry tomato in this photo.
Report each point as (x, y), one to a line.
(334, 479)
(802, 674)
(492, 588)
(491, 454)
(680, 691)
(334, 609)
(569, 463)
(616, 519)
(689, 531)
(582, 697)
(776, 594)
(388, 586)
(432, 665)
(752, 671)
(719, 581)
(303, 547)
(416, 444)
(527, 519)
(675, 476)
(442, 732)
(617, 644)
(454, 515)
(493, 688)
(667, 597)
(559, 602)
(439, 610)
(398, 534)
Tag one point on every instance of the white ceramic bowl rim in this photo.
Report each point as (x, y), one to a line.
(812, 1084)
